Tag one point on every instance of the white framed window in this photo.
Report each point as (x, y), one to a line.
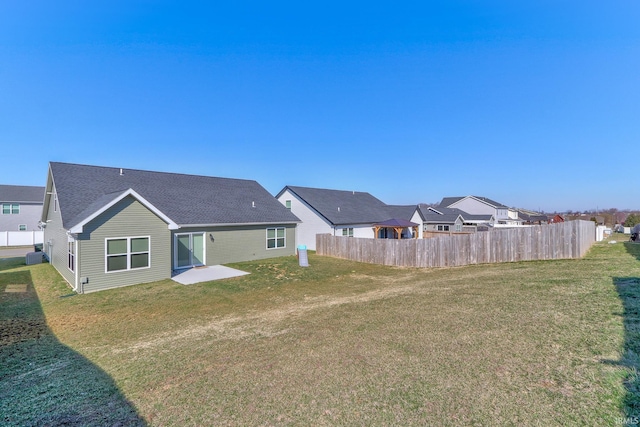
(443, 227)
(347, 232)
(22, 227)
(287, 203)
(55, 202)
(10, 209)
(127, 253)
(276, 238)
(71, 254)
(458, 227)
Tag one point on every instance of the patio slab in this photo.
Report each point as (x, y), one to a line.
(206, 274)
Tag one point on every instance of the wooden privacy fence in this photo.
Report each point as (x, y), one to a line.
(570, 239)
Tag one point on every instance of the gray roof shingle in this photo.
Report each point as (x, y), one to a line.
(341, 207)
(21, 194)
(448, 201)
(185, 199)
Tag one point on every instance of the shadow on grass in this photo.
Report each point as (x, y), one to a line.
(629, 292)
(633, 248)
(42, 381)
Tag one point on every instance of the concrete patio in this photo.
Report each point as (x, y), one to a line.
(206, 274)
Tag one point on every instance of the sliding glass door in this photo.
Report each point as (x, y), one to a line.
(189, 250)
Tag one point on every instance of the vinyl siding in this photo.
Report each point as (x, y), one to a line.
(418, 220)
(242, 243)
(29, 215)
(474, 207)
(128, 218)
(55, 243)
(312, 223)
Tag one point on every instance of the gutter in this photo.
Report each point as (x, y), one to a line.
(230, 224)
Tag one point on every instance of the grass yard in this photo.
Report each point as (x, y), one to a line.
(337, 343)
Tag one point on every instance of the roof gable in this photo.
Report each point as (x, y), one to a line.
(449, 201)
(180, 199)
(107, 201)
(342, 207)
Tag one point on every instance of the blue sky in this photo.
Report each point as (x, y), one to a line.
(532, 104)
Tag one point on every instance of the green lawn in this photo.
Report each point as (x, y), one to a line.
(337, 343)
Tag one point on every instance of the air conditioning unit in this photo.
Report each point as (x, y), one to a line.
(34, 258)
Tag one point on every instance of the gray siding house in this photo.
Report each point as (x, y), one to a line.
(20, 207)
(108, 227)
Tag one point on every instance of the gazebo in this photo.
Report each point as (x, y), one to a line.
(396, 225)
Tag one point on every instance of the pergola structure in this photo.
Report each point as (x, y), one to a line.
(397, 225)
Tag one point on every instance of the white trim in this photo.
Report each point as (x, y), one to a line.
(71, 239)
(128, 253)
(275, 238)
(78, 228)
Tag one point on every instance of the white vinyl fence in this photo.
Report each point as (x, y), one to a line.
(21, 238)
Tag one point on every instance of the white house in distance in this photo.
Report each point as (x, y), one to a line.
(21, 207)
(345, 213)
(20, 211)
(476, 205)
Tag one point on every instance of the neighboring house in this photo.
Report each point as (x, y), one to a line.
(107, 227)
(343, 213)
(438, 219)
(531, 217)
(21, 207)
(442, 219)
(476, 205)
(556, 218)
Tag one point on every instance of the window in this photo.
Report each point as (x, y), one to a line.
(347, 232)
(10, 208)
(127, 253)
(443, 228)
(275, 238)
(22, 227)
(458, 227)
(55, 202)
(71, 254)
(287, 203)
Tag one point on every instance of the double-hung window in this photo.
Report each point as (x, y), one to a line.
(10, 208)
(127, 253)
(443, 228)
(71, 254)
(347, 232)
(276, 238)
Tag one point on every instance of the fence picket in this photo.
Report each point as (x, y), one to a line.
(570, 239)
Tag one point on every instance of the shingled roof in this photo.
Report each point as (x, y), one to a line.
(21, 194)
(440, 215)
(448, 201)
(342, 207)
(186, 200)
